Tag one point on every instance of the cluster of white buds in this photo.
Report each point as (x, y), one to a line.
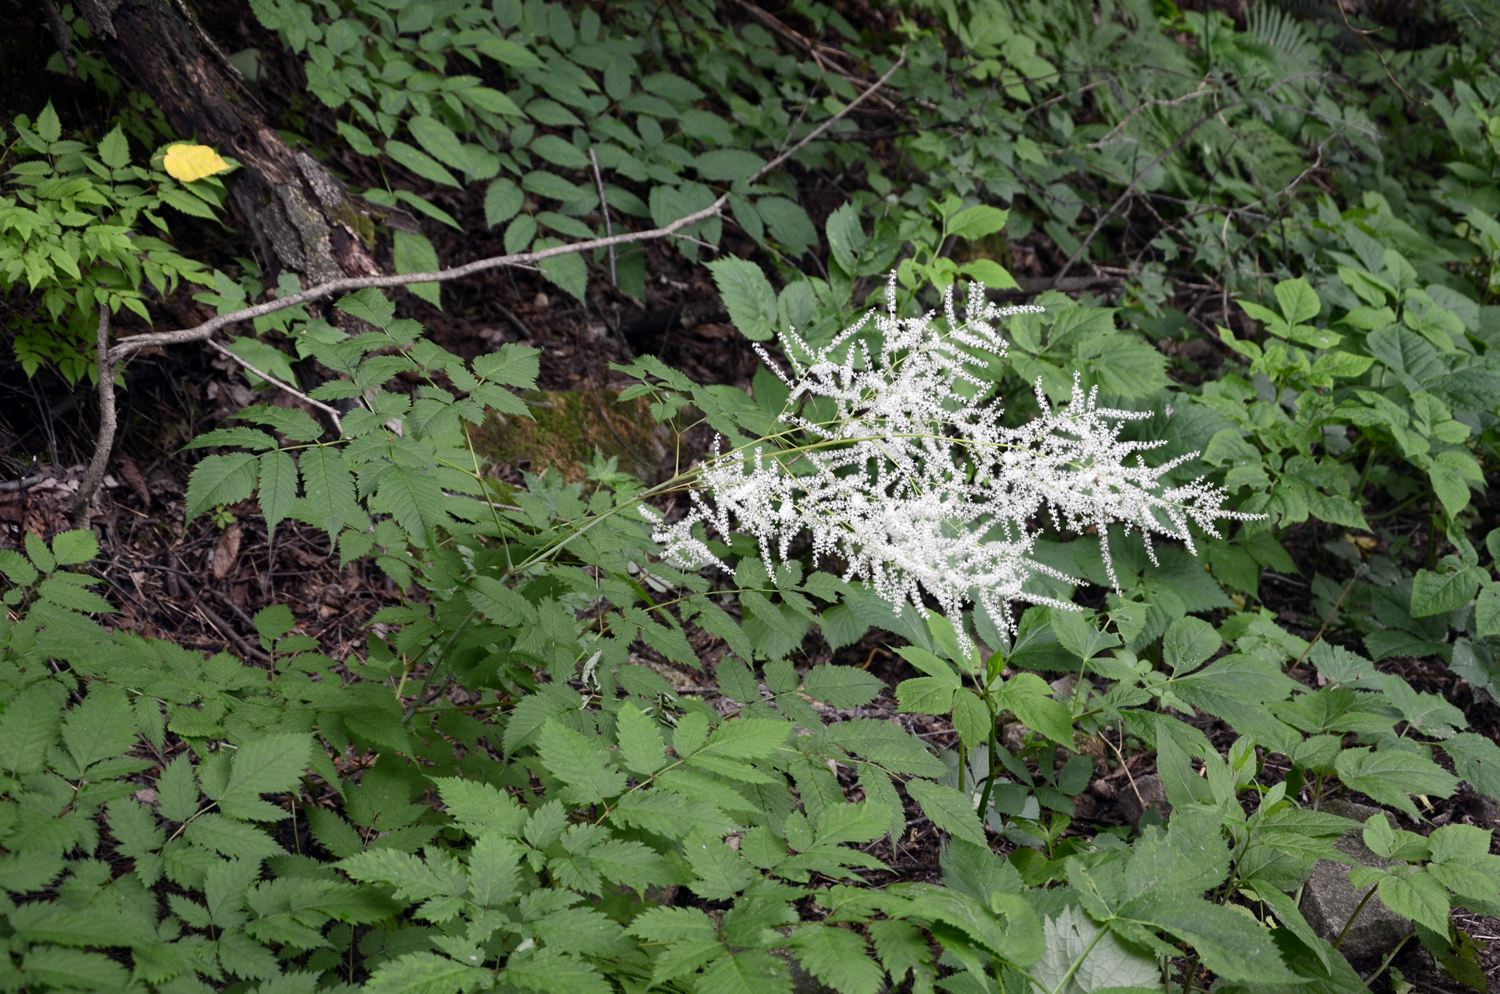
(916, 486)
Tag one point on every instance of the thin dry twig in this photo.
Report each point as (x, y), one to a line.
(1129, 191)
(609, 228)
(136, 343)
(332, 412)
(1203, 90)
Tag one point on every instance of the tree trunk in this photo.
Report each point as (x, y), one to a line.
(301, 217)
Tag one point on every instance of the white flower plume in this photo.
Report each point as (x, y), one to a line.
(917, 487)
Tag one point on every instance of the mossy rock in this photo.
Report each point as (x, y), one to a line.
(568, 426)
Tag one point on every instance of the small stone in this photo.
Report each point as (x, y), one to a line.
(1328, 899)
(1144, 794)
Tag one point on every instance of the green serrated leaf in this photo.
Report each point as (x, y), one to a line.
(842, 686)
(977, 222)
(552, 971)
(838, 958)
(278, 486)
(425, 973)
(216, 480)
(413, 253)
(950, 810)
(580, 763)
(269, 764)
(641, 747)
(329, 487)
(748, 297)
(1188, 644)
(73, 548)
(1390, 776)
(177, 790)
(101, 727)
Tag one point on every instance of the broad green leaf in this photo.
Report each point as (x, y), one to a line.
(838, 958)
(370, 305)
(925, 695)
(29, 728)
(438, 139)
(1188, 644)
(972, 719)
(1079, 960)
(747, 296)
(1438, 593)
(1487, 612)
(846, 238)
(101, 727)
(70, 590)
(724, 165)
(73, 548)
(177, 790)
(278, 486)
(494, 870)
(641, 747)
(268, 764)
(37, 551)
(747, 738)
(883, 743)
(328, 486)
(413, 878)
(787, 222)
(414, 500)
(1391, 775)
(272, 622)
(558, 152)
(48, 126)
(580, 763)
(977, 222)
(1477, 760)
(1412, 893)
(511, 366)
(719, 872)
(481, 808)
(1297, 300)
(413, 253)
(1228, 940)
(114, 149)
(1029, 696)
(502, 199)
(951, 811)
(425, 973)
(217, 480)
(990, 273)
(842, 686)
(744, 973)
(499, 603)
(420, 163)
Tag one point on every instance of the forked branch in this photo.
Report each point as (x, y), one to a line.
(110, 356)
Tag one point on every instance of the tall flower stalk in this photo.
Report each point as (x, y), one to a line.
(917, 487)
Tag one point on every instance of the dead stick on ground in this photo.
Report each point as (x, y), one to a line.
(111, 356)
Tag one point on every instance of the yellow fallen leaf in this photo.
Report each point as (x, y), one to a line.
(187, 163)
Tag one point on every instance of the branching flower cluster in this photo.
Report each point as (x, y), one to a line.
(916, 485)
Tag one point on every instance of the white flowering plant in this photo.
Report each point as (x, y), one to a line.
(910, 478)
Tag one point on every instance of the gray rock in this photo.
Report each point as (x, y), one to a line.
(1328, 899)
(1145, 794)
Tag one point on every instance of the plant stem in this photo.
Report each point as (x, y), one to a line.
(989, 778)
(1353, 915)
